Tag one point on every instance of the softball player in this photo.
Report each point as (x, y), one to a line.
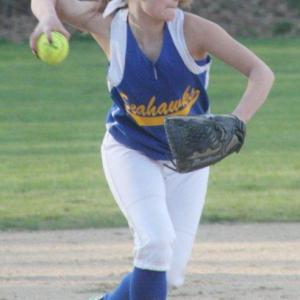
(158, 66)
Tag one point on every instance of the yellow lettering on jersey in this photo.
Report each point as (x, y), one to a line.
(153, 115)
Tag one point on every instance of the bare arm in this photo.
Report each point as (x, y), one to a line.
(83, 15)
(42, 8)
(86, 16)
(45, 12)
(215, 40)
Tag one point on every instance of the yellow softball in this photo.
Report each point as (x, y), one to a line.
(55, 52)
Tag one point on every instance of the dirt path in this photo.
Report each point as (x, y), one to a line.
(229, 262)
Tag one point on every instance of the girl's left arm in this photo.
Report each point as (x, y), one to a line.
(214, 39)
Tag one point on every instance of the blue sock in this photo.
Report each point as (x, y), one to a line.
(122, 291)
(148, 285)
(141, 285)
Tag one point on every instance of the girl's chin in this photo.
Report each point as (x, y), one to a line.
(167, 15)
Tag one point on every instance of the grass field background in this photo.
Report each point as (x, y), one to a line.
(52, 120)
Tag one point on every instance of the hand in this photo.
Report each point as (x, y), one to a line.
(199, 141)
(47, 25)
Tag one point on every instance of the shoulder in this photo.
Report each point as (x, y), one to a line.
(207, 36)
(196, 31)
(192, 20)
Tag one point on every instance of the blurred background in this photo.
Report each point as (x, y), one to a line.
(52, 120)
(253, 18)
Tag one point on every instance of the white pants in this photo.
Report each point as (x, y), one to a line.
(163, 207)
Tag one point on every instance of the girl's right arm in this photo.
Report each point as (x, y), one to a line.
(83, 15)
(45, 12)
(43, 8)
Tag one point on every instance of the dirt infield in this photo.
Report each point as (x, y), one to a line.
(259, 261)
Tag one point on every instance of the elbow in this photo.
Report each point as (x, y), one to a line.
(270, 75)
(272, 78)
(32, 7)
(263, 73)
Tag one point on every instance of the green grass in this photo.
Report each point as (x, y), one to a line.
(52, 120)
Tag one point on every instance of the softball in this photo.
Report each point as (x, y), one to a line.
(55, 52)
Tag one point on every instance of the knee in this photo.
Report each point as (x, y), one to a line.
(156, 252)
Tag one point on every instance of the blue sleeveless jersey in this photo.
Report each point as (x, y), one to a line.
(147, 92)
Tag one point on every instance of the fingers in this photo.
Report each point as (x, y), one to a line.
(48, 35)
(65, 32)
(33, 39)
(47, 31)
(61, 30)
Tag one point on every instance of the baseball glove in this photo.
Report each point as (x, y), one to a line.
(199, 141)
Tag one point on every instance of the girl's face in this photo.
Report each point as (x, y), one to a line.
(160, 9)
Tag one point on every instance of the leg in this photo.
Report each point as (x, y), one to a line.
(185, 199)
(138, 187)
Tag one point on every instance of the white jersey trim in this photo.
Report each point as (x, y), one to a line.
(176, 28)
(118, 45)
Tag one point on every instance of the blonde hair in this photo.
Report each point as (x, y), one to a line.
(185, 3)
(182, 3)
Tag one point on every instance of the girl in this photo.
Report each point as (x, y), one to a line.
(159, 65)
